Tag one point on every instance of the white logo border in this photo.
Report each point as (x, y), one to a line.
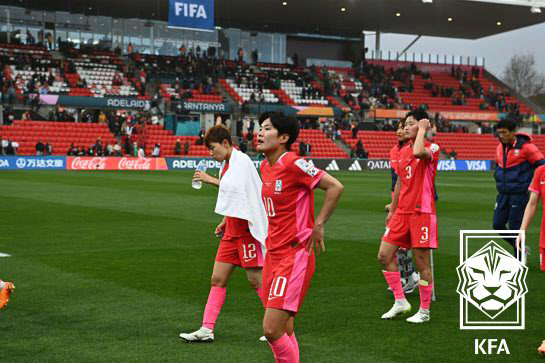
(521, 317)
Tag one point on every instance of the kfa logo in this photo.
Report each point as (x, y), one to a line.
(278, 186)
(492, 282)
(190, 10)
(491, 346)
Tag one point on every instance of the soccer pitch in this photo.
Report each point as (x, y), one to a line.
(112, 266)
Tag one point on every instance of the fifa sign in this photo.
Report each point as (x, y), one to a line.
(492, 282)
(191, 14)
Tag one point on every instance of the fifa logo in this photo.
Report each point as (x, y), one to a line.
(491, 281)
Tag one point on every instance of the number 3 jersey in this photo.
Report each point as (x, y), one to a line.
(288, 197)
(418, 180)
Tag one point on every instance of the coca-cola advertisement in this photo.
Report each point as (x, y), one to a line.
(98, 163)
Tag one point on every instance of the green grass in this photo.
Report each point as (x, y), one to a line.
(112, 266)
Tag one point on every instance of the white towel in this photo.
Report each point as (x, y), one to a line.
(239, 195)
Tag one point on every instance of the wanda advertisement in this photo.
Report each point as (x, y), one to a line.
(98, 163)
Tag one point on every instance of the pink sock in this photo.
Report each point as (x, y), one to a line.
(394, 281)
(295, 345)
(283, 350)
(425, 296)
(213, 306)
(259, 292)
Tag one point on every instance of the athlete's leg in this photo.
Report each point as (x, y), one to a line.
(255, 277)
(386, 254)
(275, 327)
(422, 259)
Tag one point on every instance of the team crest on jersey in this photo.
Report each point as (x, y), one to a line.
(434, 148)
(278, 186)
(517, 152)
(303, 165)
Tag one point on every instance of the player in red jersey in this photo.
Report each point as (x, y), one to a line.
(238, 247)
(537, 191)
(6, 288)
(411, 222)
(404, 257)
(294, 234)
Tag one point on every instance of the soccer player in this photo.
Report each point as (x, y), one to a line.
(409, 277)
(537, 191)
(516, 159)
(6, 288)
(238, 246)
(541, 348)
(411, 222)
(294, 234)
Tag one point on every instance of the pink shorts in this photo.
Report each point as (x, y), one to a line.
(245, 252)
(416, 230)
(287, 279)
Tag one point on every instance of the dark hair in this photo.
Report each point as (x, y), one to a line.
(284, 124)
(418, 115)
(508, 124)
(217, 134)
(401, 122)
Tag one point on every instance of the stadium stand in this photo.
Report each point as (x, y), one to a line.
(322, 147)
(59, 134)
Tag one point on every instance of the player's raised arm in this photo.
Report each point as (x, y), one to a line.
(419, 149)
(333, 190)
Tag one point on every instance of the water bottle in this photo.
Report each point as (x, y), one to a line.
(200, 167)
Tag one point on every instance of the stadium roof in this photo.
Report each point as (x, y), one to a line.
(470, 19)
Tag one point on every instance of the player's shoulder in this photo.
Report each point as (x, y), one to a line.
(540, 170)
(300, 165)
(432, 146)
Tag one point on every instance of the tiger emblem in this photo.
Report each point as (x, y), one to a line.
(492, 279)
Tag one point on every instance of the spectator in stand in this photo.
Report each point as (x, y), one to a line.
(71, 150)
(30, 40)
(134, 149)
(251, 127)
(117, 150)
(90, 151)
(82, 151)
(361, 153)
(99, 151)
(141, 152)
(1, 146)
(40, 148)
(240, 55)
(178, 147)
(49, 148)
(26, 116)
(129, 48)
(453, 155)
(200, 140)
(302, 148)
(355, 130)
(186, 148)
(156, 151)
(102, 119)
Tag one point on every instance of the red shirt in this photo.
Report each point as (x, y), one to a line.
(289, 201)
(394, 157)
(235, 227)
(418, 180)
(538, 187)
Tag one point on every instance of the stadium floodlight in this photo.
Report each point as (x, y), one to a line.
(535, 10)
(427, 1)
